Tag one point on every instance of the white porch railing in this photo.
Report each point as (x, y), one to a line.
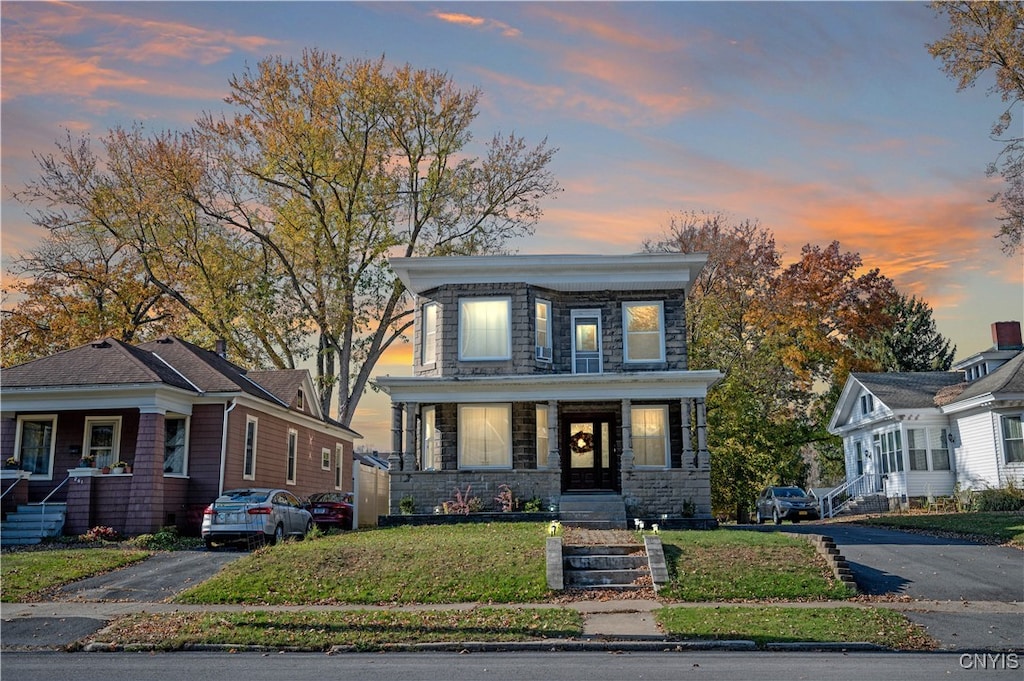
(838, 498)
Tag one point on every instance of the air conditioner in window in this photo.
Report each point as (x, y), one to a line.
(543, 353)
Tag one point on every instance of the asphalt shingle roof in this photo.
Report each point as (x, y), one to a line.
(908, 390)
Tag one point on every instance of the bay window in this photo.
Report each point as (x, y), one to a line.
(428, 338)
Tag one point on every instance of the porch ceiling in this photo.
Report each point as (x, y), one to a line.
(637, 386)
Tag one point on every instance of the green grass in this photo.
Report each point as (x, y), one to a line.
(1004, 527)
(790, 625)
(497, 563)
(26, 574)
(724, 565)
(364, 630)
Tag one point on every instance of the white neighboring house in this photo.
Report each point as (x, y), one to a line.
(920, 434)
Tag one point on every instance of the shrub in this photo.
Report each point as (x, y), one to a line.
(507, 501)
(462, 503)
(534, 505)
(165, 539)
(1007, 499)
(101, 533)
(407, 505)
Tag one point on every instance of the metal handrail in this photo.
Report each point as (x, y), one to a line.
(15, 484)
(42, 503)
(837, 499)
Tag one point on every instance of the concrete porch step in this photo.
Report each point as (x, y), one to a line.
(31, 523)
(595, 511)
(605, 566)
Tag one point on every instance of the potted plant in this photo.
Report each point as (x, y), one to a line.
(118, 467)
(87, 461)
(12, 464)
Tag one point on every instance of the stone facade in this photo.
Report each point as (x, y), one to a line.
(430, 489)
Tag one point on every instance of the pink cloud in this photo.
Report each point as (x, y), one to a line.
(461, 19)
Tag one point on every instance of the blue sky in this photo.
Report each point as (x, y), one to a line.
(822, 120)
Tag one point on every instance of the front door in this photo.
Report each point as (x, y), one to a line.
(589, 461)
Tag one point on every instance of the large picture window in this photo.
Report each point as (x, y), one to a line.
(645, 332)
(485, 329)
(102, 439)
(36, 441)
(428, 353)
(650, 436)
(1013, 439)
(175, 445)
(249, 461)
(485, 436)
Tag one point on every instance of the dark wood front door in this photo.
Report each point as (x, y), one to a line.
(589, 459)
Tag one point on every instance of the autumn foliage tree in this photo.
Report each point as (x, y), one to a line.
(270, 225)
(782, 336)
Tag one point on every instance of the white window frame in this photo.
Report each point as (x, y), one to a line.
(542, 331)
(115, 448)
(660, 305)
(339, 466)
(867, 404)
(506, 458)
(543, 438)
(1003, 439)
(428, 339)
(325, 458)
(300, 400)
(912, 435)
(292, 456)
(184, 456)
(587, 314)
(52, 418)
(663, 408)
(255, 423)
(463, 302)
(430, 454)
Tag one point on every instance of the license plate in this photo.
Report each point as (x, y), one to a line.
(319, 511)
(228, 518)
(803, 512)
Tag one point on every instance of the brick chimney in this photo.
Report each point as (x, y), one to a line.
(221, 345)
(1006, 336)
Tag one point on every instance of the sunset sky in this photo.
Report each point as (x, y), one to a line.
(824, 121)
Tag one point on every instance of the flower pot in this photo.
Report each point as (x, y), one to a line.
(127, 469)
(117, 470)
(105, 470)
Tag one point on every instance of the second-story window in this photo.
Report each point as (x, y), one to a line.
(644, 332)
(586, 341)
(542, 322)
(485, 329)
(428, 352)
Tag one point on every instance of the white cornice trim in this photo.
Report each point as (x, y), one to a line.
(541, 387)
(636, 272)
(146, 397)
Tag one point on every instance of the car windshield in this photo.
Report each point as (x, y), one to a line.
(789, 492)
(245, 495)
(327, 496)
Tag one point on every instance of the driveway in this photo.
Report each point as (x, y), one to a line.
(892, 563)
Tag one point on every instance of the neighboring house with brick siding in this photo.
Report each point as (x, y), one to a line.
(189, 423)
(559, 375)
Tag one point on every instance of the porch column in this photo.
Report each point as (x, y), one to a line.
(395, 457)
(79, 501)
(689, 459)
(409, 457)
(145, 512)
(703, 457)
(627, 435)
(554, 455)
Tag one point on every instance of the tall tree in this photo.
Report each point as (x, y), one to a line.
(273, 224)
(988, 37)
(912, 341)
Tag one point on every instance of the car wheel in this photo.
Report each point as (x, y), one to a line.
(775, 516)
(309, 528)
(278, 535)
(760, 518)
(209, 544)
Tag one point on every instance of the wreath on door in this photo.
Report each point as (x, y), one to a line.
(581, 442)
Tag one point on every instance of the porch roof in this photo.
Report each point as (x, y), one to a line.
(543, 387)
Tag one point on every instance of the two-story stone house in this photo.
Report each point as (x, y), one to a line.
(557, 375)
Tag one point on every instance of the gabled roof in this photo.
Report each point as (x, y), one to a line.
(105, 362)
(1005, 382)
(285, 385)
(908, 390)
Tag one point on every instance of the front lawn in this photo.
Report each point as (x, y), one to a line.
(497, 563)
(28, 573)
(794, 625)
(1006, 527)
(724, 565)
(361, 629)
